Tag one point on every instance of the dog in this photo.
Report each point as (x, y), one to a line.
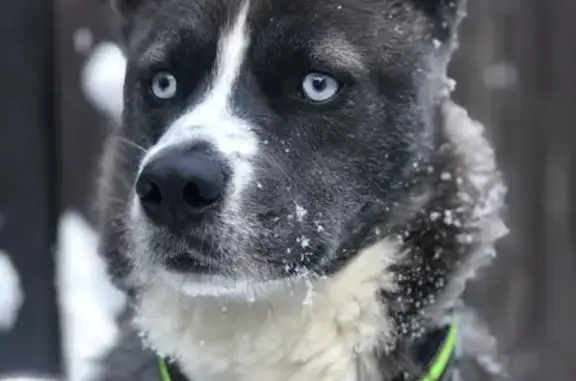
(292, 195)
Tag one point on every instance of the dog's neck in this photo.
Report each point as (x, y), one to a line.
(434, 356)
(322, 330)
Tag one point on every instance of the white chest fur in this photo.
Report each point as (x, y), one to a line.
(325, 331)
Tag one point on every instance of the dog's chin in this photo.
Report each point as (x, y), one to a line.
(187, 263)
(193, 276)
(216, 285)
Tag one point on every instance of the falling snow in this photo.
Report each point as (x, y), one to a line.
(103, 79)
(11, 294)
(89, 303)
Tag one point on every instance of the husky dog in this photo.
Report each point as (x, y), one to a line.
(292, 196)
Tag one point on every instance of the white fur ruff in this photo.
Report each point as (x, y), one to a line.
(322, 330)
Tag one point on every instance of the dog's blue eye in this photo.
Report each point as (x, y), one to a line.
(163, 85)
(318, 87)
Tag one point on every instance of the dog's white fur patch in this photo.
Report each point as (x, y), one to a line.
(213, 119)
(322, 330)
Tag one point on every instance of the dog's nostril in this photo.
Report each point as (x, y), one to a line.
(191, 195)
(199, 195)
(149, 192)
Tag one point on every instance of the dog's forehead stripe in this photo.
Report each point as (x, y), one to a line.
(211, 118)
(231, 51)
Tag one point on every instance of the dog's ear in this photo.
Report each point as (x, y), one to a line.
(445, 15)
(126, 11)
(439, 8)
(126, 7)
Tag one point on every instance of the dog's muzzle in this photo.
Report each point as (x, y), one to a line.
(181, 187)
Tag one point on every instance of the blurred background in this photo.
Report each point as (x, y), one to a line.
(515, 72)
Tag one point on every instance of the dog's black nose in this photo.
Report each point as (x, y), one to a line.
(179, 187)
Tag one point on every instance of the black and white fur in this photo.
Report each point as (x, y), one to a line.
(347, 229)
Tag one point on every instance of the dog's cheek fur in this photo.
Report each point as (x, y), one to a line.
(117, 170)
(327, 167)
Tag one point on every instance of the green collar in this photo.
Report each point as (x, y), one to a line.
(164, 373)
(439, 369)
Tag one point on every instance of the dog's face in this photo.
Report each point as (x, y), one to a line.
(265, 136)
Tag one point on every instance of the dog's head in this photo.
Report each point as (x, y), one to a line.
(262, 140)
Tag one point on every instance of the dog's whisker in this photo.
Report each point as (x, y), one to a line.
(131, 143)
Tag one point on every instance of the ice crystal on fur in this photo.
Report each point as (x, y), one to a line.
(300, 213)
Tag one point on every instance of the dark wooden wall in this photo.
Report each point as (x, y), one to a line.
(529, 294)
(516, 72)
(29, 181)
